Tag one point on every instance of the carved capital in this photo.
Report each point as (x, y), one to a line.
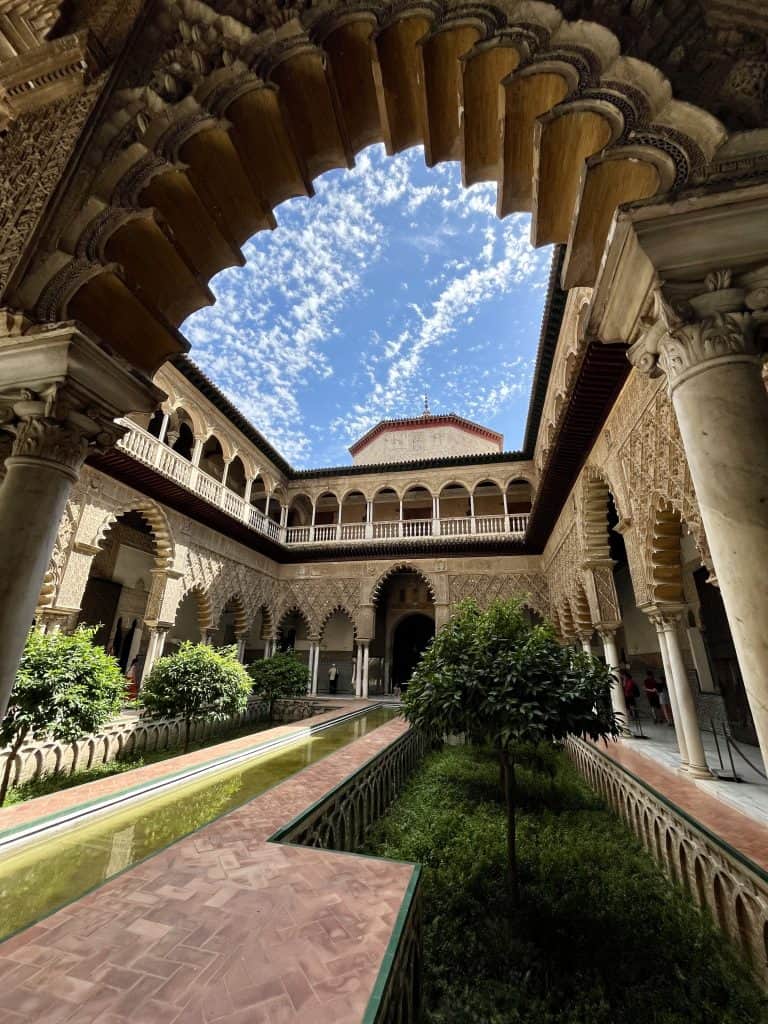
(60, 394)
(607, 633)
(58, 425)
(716, 326)
(664, 617)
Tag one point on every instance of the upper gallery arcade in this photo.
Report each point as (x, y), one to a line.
(144, 144)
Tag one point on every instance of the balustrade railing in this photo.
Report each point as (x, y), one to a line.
(146, 448)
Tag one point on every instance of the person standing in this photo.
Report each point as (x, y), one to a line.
(666, 707)
(631, 692)
(333, 678)
(652, 696)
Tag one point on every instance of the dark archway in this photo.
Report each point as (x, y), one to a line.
(412, 635)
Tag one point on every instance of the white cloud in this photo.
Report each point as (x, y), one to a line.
(331, 314)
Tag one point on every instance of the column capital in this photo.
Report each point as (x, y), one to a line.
(607, 631)
(683, 336)
(666, 616)
(60, 394)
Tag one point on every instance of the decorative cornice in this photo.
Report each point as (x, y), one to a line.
(50, 72)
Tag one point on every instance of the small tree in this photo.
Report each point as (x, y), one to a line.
(495, 676)
(66, 687)
(281, 676)
(198, 680)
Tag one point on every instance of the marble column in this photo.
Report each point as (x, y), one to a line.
(586, 644)
(672, 691)
(359, 670)
(315, 667)
(364, 687)
(59, 396)
(241, 642)
(686, 705)
(163, 428)
(713, 370)
(611, 652)
(157, 638)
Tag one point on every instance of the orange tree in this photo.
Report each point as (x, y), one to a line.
(198, 681)
(66, 687)
(497, 678)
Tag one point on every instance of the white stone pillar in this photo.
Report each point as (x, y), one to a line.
(506, 510)
(686, 706)
(586, 644)
(611, 651)
(359, 670)
(225, 474)
(364, 687)
(715, 384)
(197, 450)
(672, 691)
(157, 637)
(241, 641)
(59, 396)
(472, 523)
(369, 519)
(163, 428)
(315, 667)
(247, 493)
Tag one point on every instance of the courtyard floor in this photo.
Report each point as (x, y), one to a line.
(221, 926)
(750, 796)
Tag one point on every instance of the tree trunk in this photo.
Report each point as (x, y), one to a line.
(187, 727)
(9, 766)
(510, 799)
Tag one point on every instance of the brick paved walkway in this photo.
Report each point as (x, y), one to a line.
(220, 927)
(741, 832)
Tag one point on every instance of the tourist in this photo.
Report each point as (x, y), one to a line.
(666, 707)
(631, 692)
(333, 677)
(132, 676)
(652, 696)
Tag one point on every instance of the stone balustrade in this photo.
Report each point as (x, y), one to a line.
(146, 448)
(141, 734)
(339, 822)
(730, 887)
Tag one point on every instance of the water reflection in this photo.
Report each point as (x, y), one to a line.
(42, 877)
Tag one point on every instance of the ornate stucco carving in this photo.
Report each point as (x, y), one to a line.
(34, 153)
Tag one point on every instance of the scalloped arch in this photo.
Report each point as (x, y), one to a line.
(395, 568)
(155, 518)
(231, 122)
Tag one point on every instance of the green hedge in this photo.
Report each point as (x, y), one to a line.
(601, 936)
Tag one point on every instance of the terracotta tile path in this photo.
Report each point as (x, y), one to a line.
(220, 927)
(738, 830)
(55, 803)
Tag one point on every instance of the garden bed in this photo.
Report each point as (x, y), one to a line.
(600, 937)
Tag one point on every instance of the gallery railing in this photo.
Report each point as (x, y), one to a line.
(145, 448)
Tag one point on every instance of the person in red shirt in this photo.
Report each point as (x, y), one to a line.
(631, 692)
(652, 694)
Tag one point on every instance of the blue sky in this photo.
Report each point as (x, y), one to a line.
(392, 281)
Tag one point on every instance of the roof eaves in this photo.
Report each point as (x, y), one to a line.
(554, 307)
